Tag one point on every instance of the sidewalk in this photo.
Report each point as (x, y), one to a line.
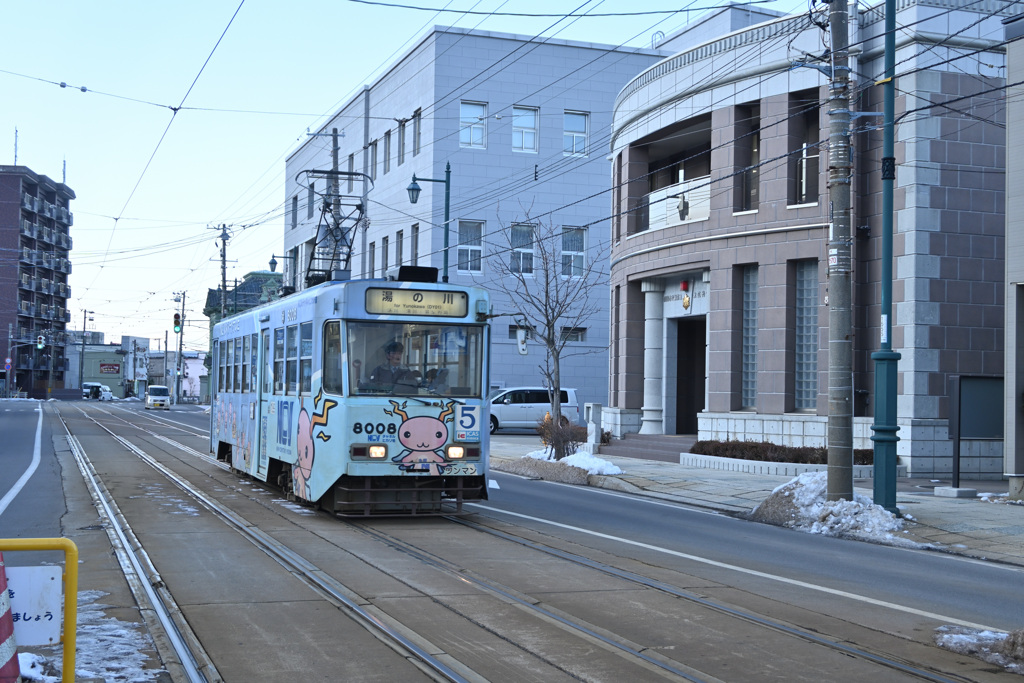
(982, 527)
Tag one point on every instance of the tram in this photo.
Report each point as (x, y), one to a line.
(364, 397)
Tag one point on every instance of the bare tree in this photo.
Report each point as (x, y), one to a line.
(549, 275)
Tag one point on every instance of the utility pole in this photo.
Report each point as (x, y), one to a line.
(366, 178)
(181, 343)
(840, 264)
(223, 274)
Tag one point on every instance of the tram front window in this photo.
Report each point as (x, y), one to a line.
(414, 359)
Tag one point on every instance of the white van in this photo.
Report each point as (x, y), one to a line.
(158, 396)
(525, 407)
(87, 388)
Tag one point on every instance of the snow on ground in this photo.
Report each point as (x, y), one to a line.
(106, 648)
(585, 461)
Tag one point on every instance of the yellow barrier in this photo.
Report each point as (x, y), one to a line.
(70, 590)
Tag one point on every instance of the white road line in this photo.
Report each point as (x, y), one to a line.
(753, 572)
(36, 450)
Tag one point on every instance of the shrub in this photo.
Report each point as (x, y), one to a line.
(563, 439)
(770, 452)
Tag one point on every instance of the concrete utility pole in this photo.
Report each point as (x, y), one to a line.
(840, 264)
(223, 274)
(181, 343)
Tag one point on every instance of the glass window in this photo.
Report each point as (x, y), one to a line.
(246, 368)
(279, 361)
(748, 395)
(574, 137)
(221, 366)
(574, 334)
(310, 200)
(268, 364)
(306, 358)
(295, 211)
(332, 358)
(415, 246)
(524, 129)
(415, 359)
(253, 362)
(417, 119)
(237, 383)
(229, 365)
(401, 142)
(372, 258)
(806, 365)
(522, 249)
(470, 246)
(387, 151)
(292, 359)
(399, 257)
(373, 160)
(384, 244)
(351, 172)
(473, 125)
(574, 249)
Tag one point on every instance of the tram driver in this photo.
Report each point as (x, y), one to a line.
(393, 372)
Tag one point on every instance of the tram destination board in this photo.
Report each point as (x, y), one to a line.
(423, 302)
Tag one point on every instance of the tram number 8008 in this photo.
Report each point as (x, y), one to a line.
(371, 428)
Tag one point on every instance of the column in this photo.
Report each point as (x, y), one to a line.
(652, 421)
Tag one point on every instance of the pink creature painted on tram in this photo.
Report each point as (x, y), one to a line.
(424, 438)
(302, 470)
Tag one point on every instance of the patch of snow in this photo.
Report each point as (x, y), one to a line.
(985, 645)
(585, 461)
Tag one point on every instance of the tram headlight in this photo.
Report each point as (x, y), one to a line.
(456, 452)
(378, 451)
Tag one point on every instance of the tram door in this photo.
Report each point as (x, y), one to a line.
(265, 391)
(691, 368)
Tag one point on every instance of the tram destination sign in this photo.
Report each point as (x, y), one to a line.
(448, 304)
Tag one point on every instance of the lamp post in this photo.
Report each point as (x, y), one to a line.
(414, 194)
(273, 261)
(81, 361)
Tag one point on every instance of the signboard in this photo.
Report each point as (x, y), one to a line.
(380, 301)
(110, 368)
(35, 594)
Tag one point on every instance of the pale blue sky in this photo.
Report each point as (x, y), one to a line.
(280, 69)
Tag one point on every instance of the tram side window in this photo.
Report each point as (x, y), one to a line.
(246, 353)
(221, 387)
(292, 365)
(332, 358)
(306, 358)
(228, 379)
(268, 365)
(279, 361)
(253, 360)
(238, 365)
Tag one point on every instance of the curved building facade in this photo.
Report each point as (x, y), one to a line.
(719, 282)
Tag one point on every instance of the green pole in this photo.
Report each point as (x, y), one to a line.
(885, 358)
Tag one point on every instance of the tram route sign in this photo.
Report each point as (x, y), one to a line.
(420, 302)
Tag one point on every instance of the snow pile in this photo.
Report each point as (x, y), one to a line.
(994, 647)
(106, 648)
(585, 461)
(801, 504)
(999, 498)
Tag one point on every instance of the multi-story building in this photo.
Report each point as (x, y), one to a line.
(523, 124)
(719, 267)
(1013, 395)
(35, 220)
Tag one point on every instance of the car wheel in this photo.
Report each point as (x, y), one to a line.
(494, 424)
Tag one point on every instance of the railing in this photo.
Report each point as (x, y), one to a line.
(679, 204)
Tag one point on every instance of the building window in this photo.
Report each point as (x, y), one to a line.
(522, 249)
(574, 248)
(415, 246)
(399, 256)
(513, 331)
(804, 136)
(470, 246)
(310, 201)
(574, 334)
(524, 129)
(574, 137)
(295, 211)
(417, 118)
(473, 125)
(748, 381)
(401, 142)
(383, 256)
(387, 151)
(351, 171)
(372, 255)
(806, 336)
(373, 160)
(747, 156)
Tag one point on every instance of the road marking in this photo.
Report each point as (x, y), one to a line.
(751, 572)
(20, 484)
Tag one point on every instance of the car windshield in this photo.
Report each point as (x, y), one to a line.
(158, 391)
(405, 359)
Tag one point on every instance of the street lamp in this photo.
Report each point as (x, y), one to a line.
(81, 361)
(273, 261)
(414, 195)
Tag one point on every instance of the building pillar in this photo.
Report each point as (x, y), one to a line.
(652, 421)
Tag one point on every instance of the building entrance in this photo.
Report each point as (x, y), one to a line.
(691, 360)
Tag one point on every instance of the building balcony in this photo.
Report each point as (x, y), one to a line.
(28, 202)
(28, 228)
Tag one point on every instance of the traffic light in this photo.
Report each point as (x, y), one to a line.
(40, 342)
(177, 323)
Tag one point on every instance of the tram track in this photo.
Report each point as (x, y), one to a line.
(649, 660)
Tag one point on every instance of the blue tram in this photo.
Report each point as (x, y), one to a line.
(365, 397)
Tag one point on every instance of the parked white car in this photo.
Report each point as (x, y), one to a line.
(524, 407)
(158, 396)
(105, 393)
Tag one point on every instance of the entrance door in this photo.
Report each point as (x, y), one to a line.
(691, 366)
(265, 390)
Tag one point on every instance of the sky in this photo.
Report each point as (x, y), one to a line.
(190, 110)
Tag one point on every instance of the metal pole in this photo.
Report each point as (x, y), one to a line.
(223, 275)
(366, 178)
(840, 265)
(447, 205)
(181, 345)
(885, 358)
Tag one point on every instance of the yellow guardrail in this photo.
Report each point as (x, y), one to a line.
(70, 590)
